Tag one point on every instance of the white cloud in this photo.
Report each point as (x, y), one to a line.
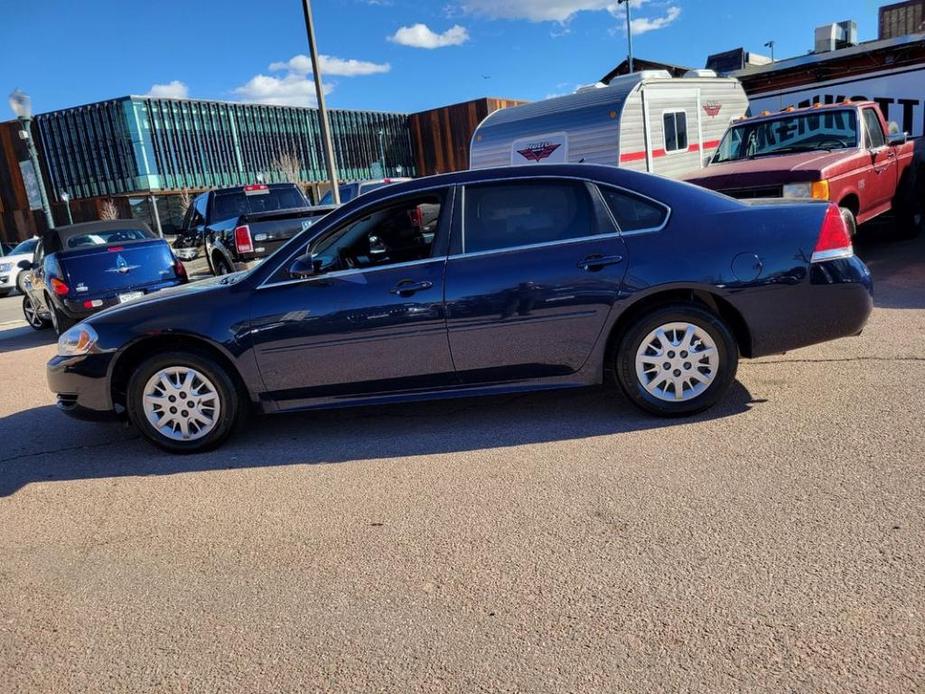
(172, 90)
(291, 90)
(302, 65)
(422, 36)
(562, 11)
(644, 24)
(534, 10)
(295, 87)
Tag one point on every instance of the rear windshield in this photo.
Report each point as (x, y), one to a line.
(109, 237)
(230, 205)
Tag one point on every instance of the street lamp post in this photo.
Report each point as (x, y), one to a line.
(21, 104)
(629, 31)
(66, 199)
(322, 109)
(770, 44)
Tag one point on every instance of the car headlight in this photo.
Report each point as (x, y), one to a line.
(815, 190)
(78, 340)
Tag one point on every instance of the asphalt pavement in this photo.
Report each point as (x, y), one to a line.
(539, 543)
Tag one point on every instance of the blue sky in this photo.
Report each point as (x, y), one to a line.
(389, 55)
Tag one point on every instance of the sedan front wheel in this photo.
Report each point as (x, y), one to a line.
(677, 360)
(183, 402)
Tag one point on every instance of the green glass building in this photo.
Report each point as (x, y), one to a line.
(142, 145)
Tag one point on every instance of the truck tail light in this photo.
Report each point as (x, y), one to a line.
(834, 240)
(59, 287)
(242, 239)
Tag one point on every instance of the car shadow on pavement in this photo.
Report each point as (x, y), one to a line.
(23, 337)
(41, 444)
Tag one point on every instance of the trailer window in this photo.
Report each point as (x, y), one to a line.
(632, 212)
(675, 125)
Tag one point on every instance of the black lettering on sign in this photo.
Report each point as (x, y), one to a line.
(908, 110)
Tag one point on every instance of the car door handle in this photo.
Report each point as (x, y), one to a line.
(409, 287)
(593, 263)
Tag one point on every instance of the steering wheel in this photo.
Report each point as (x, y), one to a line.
(837, 143)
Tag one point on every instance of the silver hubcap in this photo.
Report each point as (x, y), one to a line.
(677, 362)
(181, 403)
(32, 316)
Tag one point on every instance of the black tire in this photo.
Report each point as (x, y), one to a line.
(220, 266)
(850, 221)
(30, 313)
(59, 321)
(231, 401)
(727, 354)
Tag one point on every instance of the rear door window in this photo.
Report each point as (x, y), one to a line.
(634, 213)
(507, 215)
(108, 237)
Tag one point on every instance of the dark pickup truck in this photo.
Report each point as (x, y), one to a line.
(237, 227)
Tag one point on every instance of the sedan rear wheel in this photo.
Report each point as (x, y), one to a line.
(31, 313)
(677, 360)
(183, 402)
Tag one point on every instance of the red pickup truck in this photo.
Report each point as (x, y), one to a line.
(844, 152)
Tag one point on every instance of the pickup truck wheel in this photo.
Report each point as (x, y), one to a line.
(221, 265)
(850, 222)
(677, 360)
(183, 402)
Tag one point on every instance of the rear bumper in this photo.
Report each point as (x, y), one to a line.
(81, 385)
(836, 302)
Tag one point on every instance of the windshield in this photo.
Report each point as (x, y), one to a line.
(346, 195)
(236, 204)
(806, 132)
(25, 248)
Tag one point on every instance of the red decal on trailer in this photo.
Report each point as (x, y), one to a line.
(712, 108)
(537, 153)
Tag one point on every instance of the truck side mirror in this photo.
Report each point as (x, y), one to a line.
(24, 264)
(898, 139)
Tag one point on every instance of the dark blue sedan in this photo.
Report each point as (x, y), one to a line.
(480, 282)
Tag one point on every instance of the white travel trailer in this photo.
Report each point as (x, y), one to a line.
(648, 121)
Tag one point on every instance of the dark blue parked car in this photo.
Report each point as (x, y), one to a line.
(474, 283)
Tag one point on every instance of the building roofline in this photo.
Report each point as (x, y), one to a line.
(810, 59)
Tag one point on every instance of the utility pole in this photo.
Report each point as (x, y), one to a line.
(322, 109)
(66, 199)
(629, 31)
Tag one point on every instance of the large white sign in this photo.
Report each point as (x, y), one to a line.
(900, 94)
(551, 148)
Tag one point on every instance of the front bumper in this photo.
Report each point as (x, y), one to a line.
(81, 385)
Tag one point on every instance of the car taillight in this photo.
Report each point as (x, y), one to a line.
(242, 239)
(834, 239)
(59, 287)
(180, 269)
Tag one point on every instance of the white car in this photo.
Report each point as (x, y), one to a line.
(11, 275)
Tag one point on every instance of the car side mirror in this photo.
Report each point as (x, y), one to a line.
(24, 264)
(303, 268)
(895, 139)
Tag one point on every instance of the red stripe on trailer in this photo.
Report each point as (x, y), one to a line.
(656, 153)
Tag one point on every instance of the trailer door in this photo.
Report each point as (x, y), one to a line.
(674, 132)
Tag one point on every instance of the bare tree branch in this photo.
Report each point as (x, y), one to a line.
(108, 210)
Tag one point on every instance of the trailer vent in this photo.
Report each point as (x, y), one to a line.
(700, 73)
(831, 37)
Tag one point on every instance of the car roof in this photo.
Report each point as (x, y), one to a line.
(63, 233)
